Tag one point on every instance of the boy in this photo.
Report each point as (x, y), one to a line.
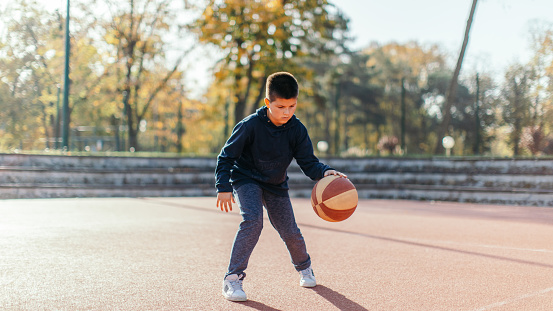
(253, 165)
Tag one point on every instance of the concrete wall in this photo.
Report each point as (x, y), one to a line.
(501, 181)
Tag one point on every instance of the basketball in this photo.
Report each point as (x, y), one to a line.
(334, 198)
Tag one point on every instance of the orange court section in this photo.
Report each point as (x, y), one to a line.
(172, 254)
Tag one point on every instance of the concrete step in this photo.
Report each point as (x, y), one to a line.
(481, 196)
(65, 191)
(439, 179)
(349, 165)
(103, 162)
(502, 181)
(386, 187)
(105, 177)
(368, 191)
(195, 176)
(458, 179)
(444, 165)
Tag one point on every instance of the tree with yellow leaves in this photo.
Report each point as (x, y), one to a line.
(136, 33)
(263, 36)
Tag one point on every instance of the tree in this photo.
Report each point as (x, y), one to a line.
(480, 114)
(137, 33)
(541, 77)
(120, 59)
(403, 72)
(28, 77)
(356, 102)
(517, 103)
(260, 37)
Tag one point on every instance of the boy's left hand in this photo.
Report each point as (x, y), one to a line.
(334, 172)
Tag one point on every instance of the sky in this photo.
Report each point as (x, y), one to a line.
(499, 36)
(500, 33)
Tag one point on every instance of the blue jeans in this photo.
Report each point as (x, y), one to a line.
(251, 198)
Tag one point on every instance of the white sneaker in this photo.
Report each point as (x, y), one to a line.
(307, 278)
(232, 288)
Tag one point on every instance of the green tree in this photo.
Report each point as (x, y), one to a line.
(356, 101)
(516, 104)
(541, 73)
(481, 119)
(403, 71)
(463, 125)
(463, 115)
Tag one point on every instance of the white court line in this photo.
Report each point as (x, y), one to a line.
(508, 301)
(482, 245)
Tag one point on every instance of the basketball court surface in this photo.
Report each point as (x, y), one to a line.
(172, 253)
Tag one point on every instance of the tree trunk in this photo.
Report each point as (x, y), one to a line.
(254, 105)
(516, 138)
(402, 122)
(241, 108)
(366, 135)
(180, 128)
(336, 145)
(517, 130)
(129, 51)
(240, 103)
(131, 132)
(326, 126)
(476, 148)
(453, 84)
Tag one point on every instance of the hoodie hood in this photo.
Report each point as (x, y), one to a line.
(262, 114)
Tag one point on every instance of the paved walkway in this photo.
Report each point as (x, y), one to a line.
(171, 254)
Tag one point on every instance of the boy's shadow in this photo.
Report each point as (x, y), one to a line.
(338, 300)
(259, 306)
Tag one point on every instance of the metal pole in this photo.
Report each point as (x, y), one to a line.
(403, 115)
(57, 127)
(337, 121)
(65, 129)
(477, 113)
(124, 127)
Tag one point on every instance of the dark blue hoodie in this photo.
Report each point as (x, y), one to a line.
(260, 152)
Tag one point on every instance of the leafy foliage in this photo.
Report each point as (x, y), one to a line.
(263, 36)
(129, 85)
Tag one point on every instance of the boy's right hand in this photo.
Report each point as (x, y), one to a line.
(225, 200)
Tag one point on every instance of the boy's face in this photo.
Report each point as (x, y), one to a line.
(281, 110)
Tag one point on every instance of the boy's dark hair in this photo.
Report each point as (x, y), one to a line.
(281, 85)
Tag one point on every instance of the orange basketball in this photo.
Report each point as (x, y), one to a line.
(334, 198)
